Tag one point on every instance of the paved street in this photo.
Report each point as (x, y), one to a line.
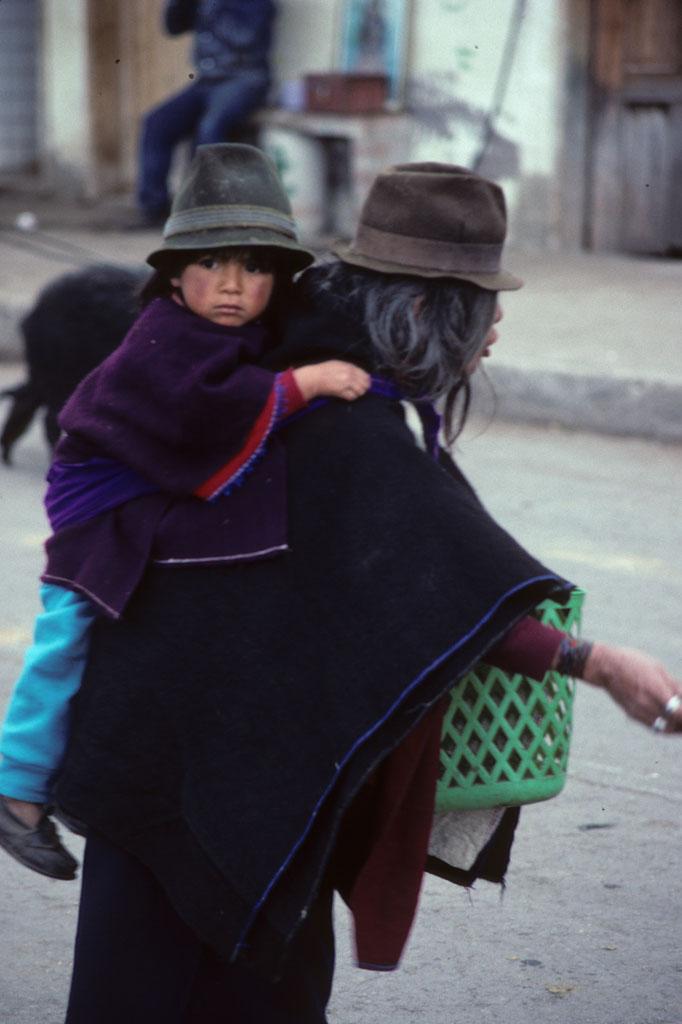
(589, 930)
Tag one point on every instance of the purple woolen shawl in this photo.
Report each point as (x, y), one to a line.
(175, 402)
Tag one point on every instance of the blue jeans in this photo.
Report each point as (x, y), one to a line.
(206, 111)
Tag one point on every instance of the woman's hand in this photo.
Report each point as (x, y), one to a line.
(640, 684)
(333, 378)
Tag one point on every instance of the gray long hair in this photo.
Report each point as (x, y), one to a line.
(425, 331)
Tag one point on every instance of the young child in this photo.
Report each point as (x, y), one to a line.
(158, 440)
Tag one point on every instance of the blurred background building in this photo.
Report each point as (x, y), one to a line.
(575, 106)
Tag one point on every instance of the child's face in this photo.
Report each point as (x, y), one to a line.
(226, 290)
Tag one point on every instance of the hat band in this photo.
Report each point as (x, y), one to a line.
(430, 254)
(203, 218)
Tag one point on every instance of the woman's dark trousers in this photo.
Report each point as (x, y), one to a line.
(137, 962)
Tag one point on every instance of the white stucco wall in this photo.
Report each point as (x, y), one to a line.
(458, 47)
(453, 63)
(452, 67)
(306, 37)
(459, 52)
(66, 134)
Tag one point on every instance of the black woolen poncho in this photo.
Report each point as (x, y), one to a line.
(225, 725)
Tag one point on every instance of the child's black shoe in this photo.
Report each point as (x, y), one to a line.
(37, 848)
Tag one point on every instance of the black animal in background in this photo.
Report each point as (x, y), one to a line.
(77, 320)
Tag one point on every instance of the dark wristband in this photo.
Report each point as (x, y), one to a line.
(572, 657)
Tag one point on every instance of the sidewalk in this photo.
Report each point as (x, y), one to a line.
(592, 342)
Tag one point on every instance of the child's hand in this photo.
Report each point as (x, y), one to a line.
(333, 378)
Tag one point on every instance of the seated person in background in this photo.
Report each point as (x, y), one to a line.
(231, 55)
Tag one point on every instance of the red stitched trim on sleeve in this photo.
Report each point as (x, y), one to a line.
(293, 396)
(259, 431)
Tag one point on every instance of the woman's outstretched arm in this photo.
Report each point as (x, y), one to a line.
(640, 684)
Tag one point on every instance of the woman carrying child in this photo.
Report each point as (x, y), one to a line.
(250, 736)
(180, 409)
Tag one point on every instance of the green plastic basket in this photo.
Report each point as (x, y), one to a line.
(506, 738)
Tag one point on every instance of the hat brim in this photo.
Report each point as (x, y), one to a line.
(296, 255)
(501, 281)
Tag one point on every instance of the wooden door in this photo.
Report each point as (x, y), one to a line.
(134, 65)
(635, 172)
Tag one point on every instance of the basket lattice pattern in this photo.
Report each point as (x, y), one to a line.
(505, 738)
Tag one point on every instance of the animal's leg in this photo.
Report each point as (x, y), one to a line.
(25, 404)
(51, 427)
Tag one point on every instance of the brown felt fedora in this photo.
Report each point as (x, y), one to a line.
(433, 220)
(232, 196)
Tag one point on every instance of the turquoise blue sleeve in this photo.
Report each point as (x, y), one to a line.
(35, 730)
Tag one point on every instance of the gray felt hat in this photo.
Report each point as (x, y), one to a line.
(433, 220)
(232, 196)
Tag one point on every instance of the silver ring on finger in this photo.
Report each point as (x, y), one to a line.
(672, 705)
(660, 724)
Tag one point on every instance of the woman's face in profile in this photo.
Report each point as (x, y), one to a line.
(490, 339)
